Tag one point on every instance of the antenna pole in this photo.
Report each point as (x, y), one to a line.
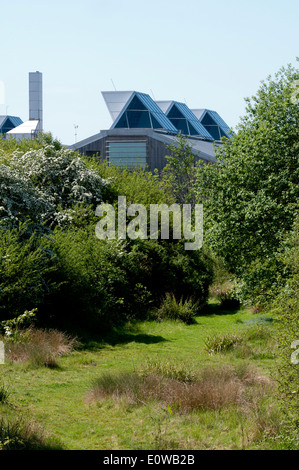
(113, 84)
(76, 127)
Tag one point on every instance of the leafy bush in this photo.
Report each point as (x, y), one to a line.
(43, 182)
(287, 308)
(140, 186)
(25, 266)
(164, 266)
(112, 281)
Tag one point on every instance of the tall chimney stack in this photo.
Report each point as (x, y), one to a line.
(36, 98)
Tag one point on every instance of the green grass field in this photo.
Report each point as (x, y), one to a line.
(59, 399)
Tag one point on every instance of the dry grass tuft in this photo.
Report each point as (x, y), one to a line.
(213, 389)
(19, 434)
(40, 347)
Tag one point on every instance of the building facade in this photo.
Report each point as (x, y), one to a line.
(142, 131)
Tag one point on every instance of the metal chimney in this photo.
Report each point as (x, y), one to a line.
(36, 98)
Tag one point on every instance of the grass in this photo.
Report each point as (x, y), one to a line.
(168, 357)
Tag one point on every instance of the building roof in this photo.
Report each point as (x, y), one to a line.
(213, 123)
(136, 110)
(9, 122)
(115, 101)
(184, 119)
(27, 128)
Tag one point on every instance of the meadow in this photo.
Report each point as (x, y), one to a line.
(103, 394)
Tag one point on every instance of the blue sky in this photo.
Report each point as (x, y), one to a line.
(209, 54)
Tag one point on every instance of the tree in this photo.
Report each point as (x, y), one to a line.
(179, 172)
(287, 306)
(250, 195)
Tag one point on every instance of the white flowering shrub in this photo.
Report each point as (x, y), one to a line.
(42, 183)
(19, 199)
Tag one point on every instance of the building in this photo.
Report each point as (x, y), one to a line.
(142, 130)
(31, 128)
(7, 123)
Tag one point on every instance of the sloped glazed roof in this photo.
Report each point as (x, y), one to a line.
(140, 110)
(184, 119)
(213, 122)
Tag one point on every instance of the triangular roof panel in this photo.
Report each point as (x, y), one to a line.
(8, 123)
(141, 111)
(183, 118)
(214, 124)
(115, 101)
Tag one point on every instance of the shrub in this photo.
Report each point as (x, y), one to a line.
(183, 310)
(164, 266)
(43, 182)
(26, 262)
(138, 185)
(287, 310)
(95, 286)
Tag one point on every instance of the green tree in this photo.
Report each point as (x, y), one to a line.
(250, 194)
(287, 306)
(179, 172)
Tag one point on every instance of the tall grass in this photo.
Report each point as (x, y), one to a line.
(214, 389)
(183, 310)
(19, 434)
(40, 347)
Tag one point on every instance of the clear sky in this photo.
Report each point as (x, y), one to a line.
(209, 54)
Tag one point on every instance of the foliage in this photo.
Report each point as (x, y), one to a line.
(20, 200)
(26, 262)
(249, 196)
(179, 172)
(111, 281)
(183, 310)
(21, 434)
(9, 145)
(12, 327)
(41, 183)
(140, 186)
(287, 307)
(164, 266)
(221, 343)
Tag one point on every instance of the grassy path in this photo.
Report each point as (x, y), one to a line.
(58, 398)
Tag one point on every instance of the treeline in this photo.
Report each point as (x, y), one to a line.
(51, 258)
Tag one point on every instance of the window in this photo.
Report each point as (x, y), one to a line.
(127, 154)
